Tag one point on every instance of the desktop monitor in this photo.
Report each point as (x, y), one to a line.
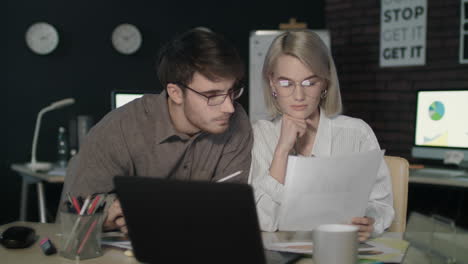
(441, 124)
(121, 97)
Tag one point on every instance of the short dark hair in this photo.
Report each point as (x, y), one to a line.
(207, 53)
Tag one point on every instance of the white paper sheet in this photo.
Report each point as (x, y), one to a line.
(116, 239)
(327, 190)
(306, 247)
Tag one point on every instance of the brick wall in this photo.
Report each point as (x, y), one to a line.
(385, 97)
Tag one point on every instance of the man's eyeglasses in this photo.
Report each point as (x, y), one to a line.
(218, 99)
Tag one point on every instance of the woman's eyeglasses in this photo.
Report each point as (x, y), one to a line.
(285, 87)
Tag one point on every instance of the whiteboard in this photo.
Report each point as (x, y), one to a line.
(260, 41)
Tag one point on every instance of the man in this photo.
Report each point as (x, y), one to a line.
(191, 131)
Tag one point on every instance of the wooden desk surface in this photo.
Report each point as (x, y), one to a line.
(34, 254)
(45, 176)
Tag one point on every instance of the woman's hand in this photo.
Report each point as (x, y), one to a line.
(366, 227)
(291, 129)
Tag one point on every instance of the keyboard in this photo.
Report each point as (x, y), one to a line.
(439, 172)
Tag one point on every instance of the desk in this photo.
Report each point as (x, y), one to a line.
(284, 237)
(418, 176)
(414, 255)
(34, 254)
(31, 177)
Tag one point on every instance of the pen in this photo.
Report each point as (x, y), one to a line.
(76, 204)
(69, 198)
(229, 176)
(85, 205)
(77, 222)
(86, 237)
(93, 205)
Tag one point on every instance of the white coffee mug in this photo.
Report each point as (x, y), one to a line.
(335, 243)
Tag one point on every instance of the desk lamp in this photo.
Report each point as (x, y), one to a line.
(34, 164)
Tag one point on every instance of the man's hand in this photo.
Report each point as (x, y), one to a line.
(365, 225)
(115, 218)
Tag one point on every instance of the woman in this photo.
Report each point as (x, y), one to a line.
(302, 93)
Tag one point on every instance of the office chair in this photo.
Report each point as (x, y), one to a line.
(399, 171)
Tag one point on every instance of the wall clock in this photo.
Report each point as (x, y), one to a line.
(42, 38)
(126, 39)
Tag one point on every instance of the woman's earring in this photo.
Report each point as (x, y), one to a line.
(274, 94)
(324, 94)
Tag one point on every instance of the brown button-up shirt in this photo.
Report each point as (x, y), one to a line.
(138, 139)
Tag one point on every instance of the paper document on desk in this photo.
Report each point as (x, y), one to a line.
(306, 247)
(327, 190)
(116, 239)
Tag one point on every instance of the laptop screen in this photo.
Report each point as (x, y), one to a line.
(192, 222)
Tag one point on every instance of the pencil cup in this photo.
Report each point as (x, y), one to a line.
(81, 235)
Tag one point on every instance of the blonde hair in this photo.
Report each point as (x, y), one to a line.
(307, 47)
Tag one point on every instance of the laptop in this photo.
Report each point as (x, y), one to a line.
(173, 221)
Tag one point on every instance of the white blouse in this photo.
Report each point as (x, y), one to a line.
(335, 136)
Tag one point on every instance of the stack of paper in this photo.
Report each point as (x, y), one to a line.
(386, 249)
(116, 239)
(327, 190)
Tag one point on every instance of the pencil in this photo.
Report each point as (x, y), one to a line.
(93, 205)
(230, 176)
(85, 205)
(76, 204)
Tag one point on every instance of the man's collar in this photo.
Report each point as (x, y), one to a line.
(159, 111)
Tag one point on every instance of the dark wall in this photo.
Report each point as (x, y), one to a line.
(386, 97)
(86, 67)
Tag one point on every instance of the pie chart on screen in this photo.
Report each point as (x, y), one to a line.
(436, 110)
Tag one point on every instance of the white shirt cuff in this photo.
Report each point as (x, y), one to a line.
(271, 187)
